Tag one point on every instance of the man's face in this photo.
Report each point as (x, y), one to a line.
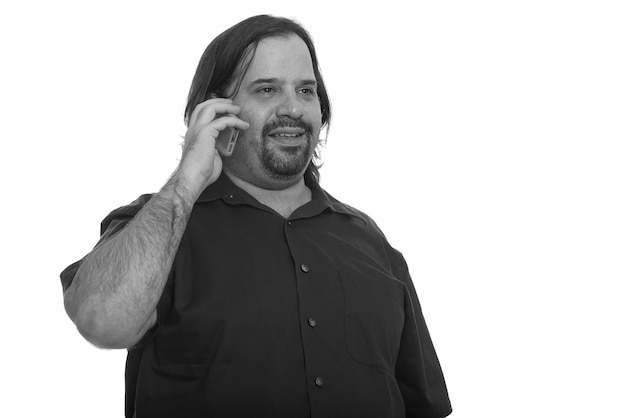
(278, 97)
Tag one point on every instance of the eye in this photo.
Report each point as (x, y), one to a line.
(266, 89)
(308, 91)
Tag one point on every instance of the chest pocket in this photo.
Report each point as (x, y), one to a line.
(374, 316)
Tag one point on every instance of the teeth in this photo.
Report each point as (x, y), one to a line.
(286, 135)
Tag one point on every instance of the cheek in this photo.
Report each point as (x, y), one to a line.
(256, 119)
(251, 137)
(316, 115)
(254, 128)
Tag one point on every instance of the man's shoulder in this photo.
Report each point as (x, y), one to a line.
(342, 207)
(126, 212)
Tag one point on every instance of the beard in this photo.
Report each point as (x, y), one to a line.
(287, 162)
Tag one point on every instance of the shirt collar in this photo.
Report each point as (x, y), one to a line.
(320, 195)
(225, 189)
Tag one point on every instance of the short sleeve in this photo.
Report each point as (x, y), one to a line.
(110, 226)
(418, 370)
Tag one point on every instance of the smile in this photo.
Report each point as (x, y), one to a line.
(288, 136)
(285, 135)
(285, 139)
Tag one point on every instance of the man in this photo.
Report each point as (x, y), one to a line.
(242, 289)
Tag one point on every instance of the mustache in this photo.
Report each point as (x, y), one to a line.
(287, 122)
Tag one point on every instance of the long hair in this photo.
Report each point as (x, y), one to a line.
(228, 56)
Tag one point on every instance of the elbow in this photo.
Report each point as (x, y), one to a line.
(98, 326)
(101, 332)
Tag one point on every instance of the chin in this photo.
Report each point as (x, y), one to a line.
(286, 166)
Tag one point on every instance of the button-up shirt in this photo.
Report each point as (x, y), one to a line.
(310, 316)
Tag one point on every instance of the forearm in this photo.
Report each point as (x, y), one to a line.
(115, 292)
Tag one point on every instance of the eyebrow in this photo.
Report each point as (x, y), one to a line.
(275, 80)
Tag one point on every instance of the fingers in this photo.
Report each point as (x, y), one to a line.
(229, 121)
(208, 121)
(208, 110)
(201, 163)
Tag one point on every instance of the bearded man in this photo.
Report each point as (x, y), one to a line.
(242, 288)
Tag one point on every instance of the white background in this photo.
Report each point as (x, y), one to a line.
(487, 138)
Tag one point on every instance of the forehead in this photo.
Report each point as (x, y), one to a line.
(284, 58)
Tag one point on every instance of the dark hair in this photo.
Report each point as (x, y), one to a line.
(228, 56)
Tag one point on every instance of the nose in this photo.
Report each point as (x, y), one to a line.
(290, 106)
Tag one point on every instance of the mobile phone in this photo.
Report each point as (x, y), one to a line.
(227, 139)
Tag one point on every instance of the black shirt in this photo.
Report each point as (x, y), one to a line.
(262, 316)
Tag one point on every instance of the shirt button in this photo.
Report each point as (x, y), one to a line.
(319, 382)
(312, 322)
(289, 223)
(304, 268)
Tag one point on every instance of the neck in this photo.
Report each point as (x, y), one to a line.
(283, 200)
